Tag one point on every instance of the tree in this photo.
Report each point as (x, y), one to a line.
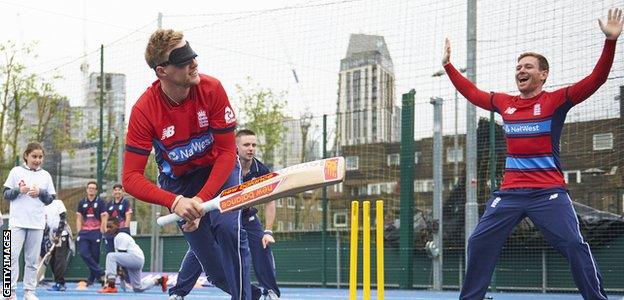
(262, 111)
(30, 107)
(22, 95)
(16, 89)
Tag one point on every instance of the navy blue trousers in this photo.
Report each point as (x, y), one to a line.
(552, 212)
(220, 243)
(262, 261)
(89, 248)
(109, 240)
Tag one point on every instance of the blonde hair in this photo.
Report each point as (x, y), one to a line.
(160, 44)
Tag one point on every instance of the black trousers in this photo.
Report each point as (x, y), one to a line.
(60, 260)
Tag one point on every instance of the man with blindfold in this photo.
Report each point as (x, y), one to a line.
(187, 119)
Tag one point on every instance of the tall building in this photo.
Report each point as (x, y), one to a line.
(82, 166)
(293, 152)
(114, 106)
(366, 96)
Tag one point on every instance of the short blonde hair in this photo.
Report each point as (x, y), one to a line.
(160, 44)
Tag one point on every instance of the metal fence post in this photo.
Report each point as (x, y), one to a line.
(437, 260)
(406, 240)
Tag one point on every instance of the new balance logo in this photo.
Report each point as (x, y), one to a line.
(553, 196)
(510, 110)
(168, 132)
(495, 202)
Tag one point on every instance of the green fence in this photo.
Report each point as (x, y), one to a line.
(297, 258)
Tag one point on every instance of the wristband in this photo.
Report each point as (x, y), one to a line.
(177, 198)
(269, 232)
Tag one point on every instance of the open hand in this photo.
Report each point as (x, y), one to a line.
(613, 26)
(446, 57)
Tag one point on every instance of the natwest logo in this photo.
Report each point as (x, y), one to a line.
(168, 132)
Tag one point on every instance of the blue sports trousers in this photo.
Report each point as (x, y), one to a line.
(552, 212)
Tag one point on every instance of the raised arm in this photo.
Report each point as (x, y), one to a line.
(462, 84)
(612, 28)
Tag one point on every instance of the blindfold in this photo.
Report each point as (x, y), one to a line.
(180, 57)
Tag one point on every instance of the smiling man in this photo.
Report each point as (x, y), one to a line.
(533, 184)
(187, 119)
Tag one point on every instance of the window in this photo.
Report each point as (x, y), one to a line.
(319, 207)
(374, 189)
(603, 141)
(381, 188)
(362, 190)
(574, 175)
(390, 187)
(108, 82)
(291, 202)
(416, 156)
(423, 185)
(302, 204)
(280, 226)
(454, 155)
(290, 225)
(338, 188)
(352, 163)
(394, 159)
(279, 202)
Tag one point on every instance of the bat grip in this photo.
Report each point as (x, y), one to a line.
(172, 218)
(168, 219)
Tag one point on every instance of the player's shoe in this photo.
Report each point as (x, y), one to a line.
(271, 295)
(175, 297)
(162, 281)
(30, 295)
(108, 290)
(57, 287)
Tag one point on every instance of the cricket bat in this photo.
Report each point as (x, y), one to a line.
(283, 183)
(41, 268)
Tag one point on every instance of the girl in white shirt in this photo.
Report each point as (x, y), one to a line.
(28, 188)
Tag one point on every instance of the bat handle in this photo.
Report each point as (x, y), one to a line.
(168, 219)
(172, 218)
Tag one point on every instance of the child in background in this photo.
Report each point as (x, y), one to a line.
(29, 188)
